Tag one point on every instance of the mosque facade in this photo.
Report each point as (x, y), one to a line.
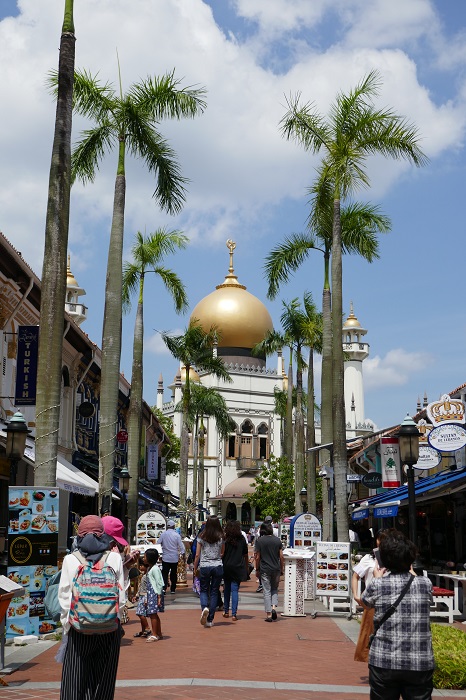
(231, 464)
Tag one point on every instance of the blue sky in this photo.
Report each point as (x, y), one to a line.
(247, 183)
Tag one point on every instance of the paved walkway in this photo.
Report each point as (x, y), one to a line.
(302, 658)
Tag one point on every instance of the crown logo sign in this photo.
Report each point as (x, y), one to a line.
(446, 410)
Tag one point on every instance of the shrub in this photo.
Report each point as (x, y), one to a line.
(450, 657)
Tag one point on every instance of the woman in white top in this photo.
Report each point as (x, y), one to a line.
(365, 570)
(91, 661)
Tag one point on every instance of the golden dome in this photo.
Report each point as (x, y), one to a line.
(351, 321)
(70, 278)
(193, 375)
(241, 318)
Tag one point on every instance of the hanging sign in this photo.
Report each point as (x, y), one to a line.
(360, 514)
(385, 511)
(149, 527)
(428, 457)
(446, 410)
(390, 459)
(26, 365)
(448, 437)
(153, 461)
(122, 436)
(305, 531)
(372, 480)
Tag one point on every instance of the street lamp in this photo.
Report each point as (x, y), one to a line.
(166, 499)
(408, 441)
(123, 484)
(303, 497)
(16, 434)
(207, 499)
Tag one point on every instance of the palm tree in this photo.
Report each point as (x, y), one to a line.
(205, 401)
(52, 302)
(354, 130)
(148, 253)
(194, 350)
(131, 122)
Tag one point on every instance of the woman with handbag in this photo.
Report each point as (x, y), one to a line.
(365, 570)
(235, 566)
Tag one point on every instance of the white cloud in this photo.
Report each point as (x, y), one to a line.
(395, 369)
(155, 344)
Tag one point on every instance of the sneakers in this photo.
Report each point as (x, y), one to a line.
(204, 615)
(274, 614)
(209, 624)
(259, 589)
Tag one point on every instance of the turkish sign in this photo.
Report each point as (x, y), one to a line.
(446, 410)
(32, 557)
(448, 437)
(152, 461)
(305, 531)
(385, 511)
(333, 569)
(428, 457)
(390, 459)
(26, 365)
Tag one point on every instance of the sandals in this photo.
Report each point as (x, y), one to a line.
(153, 639)
(144, 633)
(225, 614)
(234, 618)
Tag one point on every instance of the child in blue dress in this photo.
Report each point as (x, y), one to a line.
(141, 610)
(154, 589)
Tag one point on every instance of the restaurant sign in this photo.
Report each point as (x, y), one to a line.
(390, 460)
(448, 437)
(428, 457)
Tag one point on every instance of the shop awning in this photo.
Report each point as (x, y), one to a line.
(447, 481)
(153, 502)
(70, 478)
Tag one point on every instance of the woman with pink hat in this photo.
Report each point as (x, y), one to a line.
(115, 529)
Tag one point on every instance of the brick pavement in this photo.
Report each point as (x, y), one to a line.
(292, 658)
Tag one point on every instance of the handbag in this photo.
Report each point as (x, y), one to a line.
(389, 612)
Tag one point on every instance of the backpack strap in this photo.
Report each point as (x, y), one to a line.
(389, 612)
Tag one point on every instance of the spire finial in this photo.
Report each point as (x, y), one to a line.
(351, 309)
(231, 245)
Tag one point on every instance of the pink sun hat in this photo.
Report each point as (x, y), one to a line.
(114, 529)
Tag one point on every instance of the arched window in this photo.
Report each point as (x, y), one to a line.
(247, 430)
(231, 444)
(263, 433)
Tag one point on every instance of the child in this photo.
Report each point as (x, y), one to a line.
(154, 587)
(141, 610)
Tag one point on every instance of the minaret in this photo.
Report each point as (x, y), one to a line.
(160, 393)
(73, 306)
(356, 350)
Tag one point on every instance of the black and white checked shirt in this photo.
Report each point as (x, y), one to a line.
(404, 641)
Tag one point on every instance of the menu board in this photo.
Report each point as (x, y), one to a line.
(284, 534)
(305, 531)
(32, 557)
(149, 527)
(333, 575)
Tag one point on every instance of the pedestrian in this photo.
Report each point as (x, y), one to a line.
(401, 660)
(208, 559)
(270, 566)
(115, 530)
(141, 610)
(364, 570)
(91, 660)
(154, 591)
(235, 566)
(172, 546)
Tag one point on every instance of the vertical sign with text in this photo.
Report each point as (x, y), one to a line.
(390, 459)
(152, 461)
(26, 365)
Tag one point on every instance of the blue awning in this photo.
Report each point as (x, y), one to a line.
(430, 486)
(153, 502)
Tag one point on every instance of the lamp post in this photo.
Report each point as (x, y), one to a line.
(16, 434)
(123, 484)
(408, 440)
(303, 498)
(207, 499)
(166, 499)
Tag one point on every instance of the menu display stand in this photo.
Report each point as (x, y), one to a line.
(298, 565)
(333, 577)
(8, 590)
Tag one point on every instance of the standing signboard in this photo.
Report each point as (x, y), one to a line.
(149, 527)
(333, 577)
(390, 460)
(32, 557)
(305, 531)
(284, 534)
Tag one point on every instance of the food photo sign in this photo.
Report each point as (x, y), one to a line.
(305, 531)
(32, 557)
(149, 527)
(333, 569)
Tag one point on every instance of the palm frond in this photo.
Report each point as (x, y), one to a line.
(161, 97)
(174, 287)
(89, 150)
(286, 258)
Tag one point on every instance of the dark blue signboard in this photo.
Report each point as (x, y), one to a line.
(26, 365)
(360, 514)
(385, 512)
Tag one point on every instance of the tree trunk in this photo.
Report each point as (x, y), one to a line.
(111, 338)
(299, 463)
(195, 462)
(289, 413)
(339, 421)
(184, 451)
(53, 290)
(326, 418)
(200, 476)
(135, 414)
(311, 438)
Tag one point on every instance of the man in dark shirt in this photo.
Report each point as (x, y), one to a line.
(270, 565)
(401, 660)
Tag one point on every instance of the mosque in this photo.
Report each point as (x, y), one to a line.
(231, 464)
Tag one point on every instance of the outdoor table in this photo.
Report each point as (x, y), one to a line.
(458, 609)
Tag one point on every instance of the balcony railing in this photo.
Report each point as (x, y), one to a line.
(249, 464)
